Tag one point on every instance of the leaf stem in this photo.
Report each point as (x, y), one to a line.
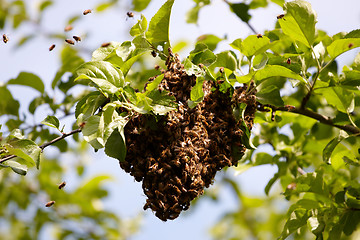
(46, 144)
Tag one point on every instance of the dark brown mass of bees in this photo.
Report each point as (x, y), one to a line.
(177, 155)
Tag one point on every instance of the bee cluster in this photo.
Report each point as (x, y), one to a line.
(177, 155)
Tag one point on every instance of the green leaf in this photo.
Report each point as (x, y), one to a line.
(89, 104)
(209, 40)
(269, 95)
(70, 62)
(192, 69)
(162, 102)
(352, 78)
(28, 79)
(104, 75)
(197, 93)
(193, 14)
(8, 105)
(25, 149)
(245, 138)
(103, 6)
(158, 32)
(299, 21)
(339, 97)
(226, 59)
(241, 10)
(276, 71)
(340, 46)
(155, 83)
(15, 166)
(252, 45)
(51, 121)
(140, 27)
(115, 146)
(45, 4)
(90, 132)
(140, 5)
(328, 150)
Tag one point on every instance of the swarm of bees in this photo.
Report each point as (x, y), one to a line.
(185, 148)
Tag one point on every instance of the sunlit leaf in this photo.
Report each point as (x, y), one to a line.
(51, 121)
(299, 21)
(140, 27)
(328, 150)
(15, 166)
(276, 71)
(339, 97)
(140, 5)
(340, 46)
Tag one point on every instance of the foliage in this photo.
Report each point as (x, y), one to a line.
(317, 156)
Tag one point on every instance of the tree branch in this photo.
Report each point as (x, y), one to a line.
(46, 144)
(306, 112)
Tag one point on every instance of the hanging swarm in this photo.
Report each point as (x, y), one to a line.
(177, 155)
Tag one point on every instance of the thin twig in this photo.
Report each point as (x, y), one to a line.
(46, 144)
(306, 112)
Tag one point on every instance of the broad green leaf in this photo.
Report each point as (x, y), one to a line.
(342, 45)
(104, 75)
(258, 3)
(201, 54)
(162, 102)
(158, 32)
(193, 14)
(134, 57)
(271, 183)
(51, 121)
(103, 53)
(241, 10)
(90, 132)
(210, 40)
(15, 166)
(339, 97)
(89, 104)
(299, 21)
(140, 5)
(155, 83)
(252, 45)
(70, 62)
(328, 150)
(115, 145)
(192, 69)
(226, 59)
(269, 95)
(8, 105)
(28, 79)
(245, 138)
(197, 93)
(140, 27)
(352, 78)
(276, 71)
(25, 149)
(45, 4)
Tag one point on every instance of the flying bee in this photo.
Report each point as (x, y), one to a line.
(69, 41)
(52, 47)
(288, 61)
(130, 14)
(5, 38)
(153, 53)
(68, 28)
(49, 204)
(77, 38)
(259, 35)
(87, 11)
(62, 185)
(105, 44)
(280, 16)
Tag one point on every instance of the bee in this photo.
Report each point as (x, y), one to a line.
(69, 41)
(82, 124)
(49, 204)
(5, 38)
(153, 53)
(87, 11)
(130, 14)
(291, 186)
(105, 44)
(221, 70)
(280, 16)
(157, 67)
(52, 47)
(68, 28)
(350, 45)
(259, 35)
(62, 185)
(288, 61)
(77, 38)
